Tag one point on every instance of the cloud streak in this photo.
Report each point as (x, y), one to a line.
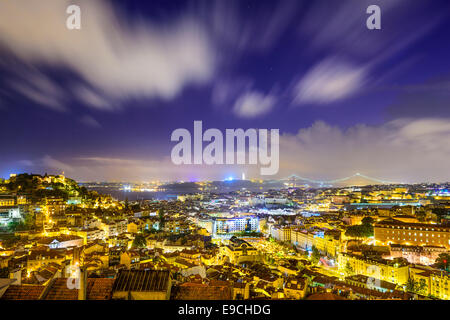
(355, 54)
(254, 104)
(90, 121)
(119, 59)
(403, 150)
(329, 81)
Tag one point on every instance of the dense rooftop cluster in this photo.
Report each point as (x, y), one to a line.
(62, 241)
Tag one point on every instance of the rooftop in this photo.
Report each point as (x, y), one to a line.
(96, 289)
(142, 280)
(23, 292)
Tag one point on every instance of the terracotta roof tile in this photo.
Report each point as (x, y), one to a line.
(196, 291)
(97, 289)
(22, 292)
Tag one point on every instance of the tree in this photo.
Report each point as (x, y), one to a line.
(29, 220)
(9, 240)
(249, 234)
(300, 266)
(98, 212)
(161, 218)
(126, 204)
(367, 220)
(139, 242)
(422, 286)
(443, 261)
(17, 226)
(315, 255)
(4, 272)
(248, 227)
(415, 286)
(440, 211)
(410, 285)
(421, 215)
(364, 230)
(348, 269)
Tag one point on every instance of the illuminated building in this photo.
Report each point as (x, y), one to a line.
(238, 250)
(133, 227)
(9, 214)
(332, 243)
(296, 288)
(279, 201)
(394, 231)
(7, 200)
(62, 241)
(406, 218)
(435, 282)
(362, 281)
(281, 233)
(235, 224)
(55, 206)
(425, 255)
(40, 258)
(74, 201)
(381, 269)
(303, 238)
(90, 234)
(114, 228)
(440, 285)
(327, 242)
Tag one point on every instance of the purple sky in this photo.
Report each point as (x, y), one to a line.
(100, 103)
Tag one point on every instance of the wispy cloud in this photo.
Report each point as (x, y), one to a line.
(226, 91)
(93, 99)
(339, 26)
(40, 89)
(329, 81)
(90, 121)
(254, 104)
(48, 163)
(355, 55)
(112, 56)
(257, 31)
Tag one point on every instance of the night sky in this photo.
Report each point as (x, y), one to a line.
(100, 103)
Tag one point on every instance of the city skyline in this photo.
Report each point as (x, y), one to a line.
(100, 103)
(61, 240)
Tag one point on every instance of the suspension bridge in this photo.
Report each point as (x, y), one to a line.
(326, 182)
